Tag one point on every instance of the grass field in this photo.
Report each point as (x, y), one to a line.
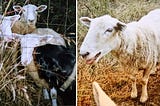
(108, 72)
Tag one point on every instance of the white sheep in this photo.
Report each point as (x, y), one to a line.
(56, 37)
(39, 37)
(27, 22)
(28, 43)
(135, 44)
(5, 26)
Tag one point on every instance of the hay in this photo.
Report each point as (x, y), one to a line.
(115, 82)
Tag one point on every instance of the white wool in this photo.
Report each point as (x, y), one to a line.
(28, 43)
(39, 37)
(5, 26)
(57, 39)
(139, 44)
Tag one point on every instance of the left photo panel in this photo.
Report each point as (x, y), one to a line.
(37, 52)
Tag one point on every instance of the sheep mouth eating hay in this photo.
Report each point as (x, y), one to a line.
(136, 44)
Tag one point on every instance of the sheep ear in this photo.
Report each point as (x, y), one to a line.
(15, 17)
(120, 26)
(17, 8)
(86, 21)
(41, 8)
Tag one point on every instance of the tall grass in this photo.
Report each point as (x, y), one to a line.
(12, 80)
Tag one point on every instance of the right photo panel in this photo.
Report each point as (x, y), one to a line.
(118, 47)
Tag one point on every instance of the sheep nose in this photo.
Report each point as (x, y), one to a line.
(84, 55)
(30, 20)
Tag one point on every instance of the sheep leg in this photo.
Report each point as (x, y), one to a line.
(153, 71)
(33, 72)
(39, 82)
(46, 94)
(144, 95)
(53, 94)
(134, 87)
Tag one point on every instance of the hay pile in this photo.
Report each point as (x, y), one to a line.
(115, 82)
(111, 76)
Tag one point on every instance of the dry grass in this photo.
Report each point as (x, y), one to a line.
(16, 87)
(111, 76)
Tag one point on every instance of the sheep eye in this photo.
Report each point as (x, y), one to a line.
(109, 30)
